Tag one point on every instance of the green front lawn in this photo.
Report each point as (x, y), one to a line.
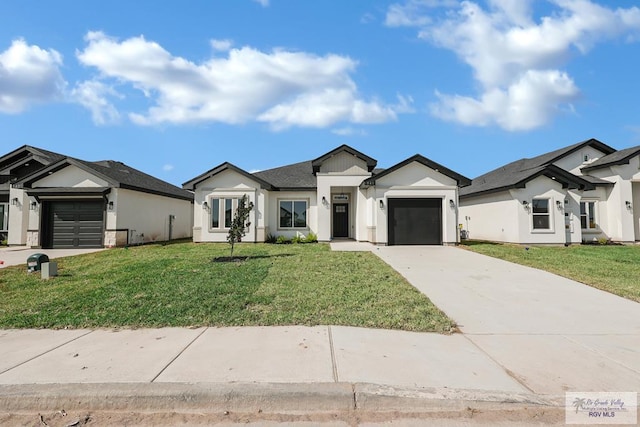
(615, 269)
(179, 285)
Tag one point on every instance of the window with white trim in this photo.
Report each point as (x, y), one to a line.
(4, 216)
(541, 214)
(293, 214)
(222, 212)
(588, 216)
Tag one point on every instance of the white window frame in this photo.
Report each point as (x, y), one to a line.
(549, 214)
(5, 217)
(293, 226)
(221, 211)
(586, 203)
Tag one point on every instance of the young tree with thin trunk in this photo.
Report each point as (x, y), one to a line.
(240, 222)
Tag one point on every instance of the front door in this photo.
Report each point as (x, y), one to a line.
(340, 220)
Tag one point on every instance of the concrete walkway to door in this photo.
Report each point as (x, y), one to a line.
(550, 333)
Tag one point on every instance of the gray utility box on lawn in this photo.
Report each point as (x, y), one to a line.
(35, 261)
(49, 270)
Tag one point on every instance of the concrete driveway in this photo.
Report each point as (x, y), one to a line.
(550, 333)
(17, 255)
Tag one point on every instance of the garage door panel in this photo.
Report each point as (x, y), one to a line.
(78, 224)
(415, 221)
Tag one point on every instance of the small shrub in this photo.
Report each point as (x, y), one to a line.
(311, 238)
(297, 239)
(270, 238)
(282, 240)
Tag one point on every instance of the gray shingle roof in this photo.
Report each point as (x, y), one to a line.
(518, 173)
(118, 175)
(617, 158)
(295, 176)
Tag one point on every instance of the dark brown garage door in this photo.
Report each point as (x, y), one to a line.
(415, 221)
(77, 224)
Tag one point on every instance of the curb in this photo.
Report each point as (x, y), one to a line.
(263, 397)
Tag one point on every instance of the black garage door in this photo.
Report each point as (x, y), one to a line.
(415, 221)
(77, 224)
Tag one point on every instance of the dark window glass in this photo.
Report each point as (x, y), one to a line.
(228, 212)
(300, 214)
(286, 214)
(215, 213)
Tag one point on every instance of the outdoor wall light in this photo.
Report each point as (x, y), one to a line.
(324, 200)
(628, 204)
(452, 204)
(205, 206)
(559, 204)
(33, 206)
(110, 206)
(381, 204)
(15, 202)
(525, 205)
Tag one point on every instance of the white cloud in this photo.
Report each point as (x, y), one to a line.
(413, 13)
(29, 75)
(349, 131)
(168, 168)
(92, 95)
(221, 45)
(264, 3)
(280, 88)
(526, 104)
(516, 59)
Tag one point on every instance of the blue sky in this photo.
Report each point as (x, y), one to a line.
(176, 88)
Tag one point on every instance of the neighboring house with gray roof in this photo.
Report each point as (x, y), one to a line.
(580, 193)
(340, 194)
(55, 201)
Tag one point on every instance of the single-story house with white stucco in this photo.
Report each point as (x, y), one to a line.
(340, 194)
(585, 192)
(50, 200)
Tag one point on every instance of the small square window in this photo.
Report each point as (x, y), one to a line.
(541, 214)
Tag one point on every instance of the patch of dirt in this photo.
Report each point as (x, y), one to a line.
(230, 258)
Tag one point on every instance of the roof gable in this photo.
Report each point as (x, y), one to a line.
(553, 156)
(460, 179)
(517, 174)
(317, 163)
(116, 174)
(513, 175)
(191, 185)
(617, 158)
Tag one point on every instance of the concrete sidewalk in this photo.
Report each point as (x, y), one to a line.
(295, 354)
(17, 255)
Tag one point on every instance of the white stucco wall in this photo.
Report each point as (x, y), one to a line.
(71, 176)
(229, 184)
(574, 161)
(146, 216)
(493, 217)
(502, 217)
(416, 180)
(334, 183)
(18, 217)
(621, 222)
